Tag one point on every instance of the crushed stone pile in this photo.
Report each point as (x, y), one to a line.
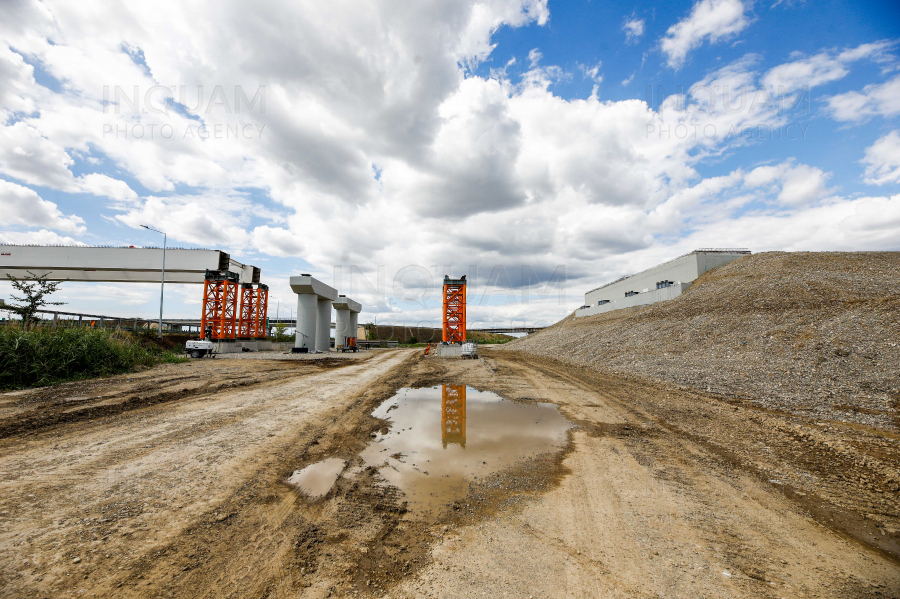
(811, 333)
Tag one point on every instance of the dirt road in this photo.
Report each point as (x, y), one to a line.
(171, 483)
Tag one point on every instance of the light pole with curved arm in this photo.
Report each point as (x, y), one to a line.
(162, 280)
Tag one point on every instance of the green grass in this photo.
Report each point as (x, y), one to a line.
(45, 355)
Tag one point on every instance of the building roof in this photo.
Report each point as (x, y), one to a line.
(698, 251)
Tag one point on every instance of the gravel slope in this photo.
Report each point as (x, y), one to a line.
(812, 333)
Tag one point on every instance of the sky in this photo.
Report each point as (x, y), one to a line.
(541, 148)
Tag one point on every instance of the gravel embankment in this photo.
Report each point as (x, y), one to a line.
(813, 333)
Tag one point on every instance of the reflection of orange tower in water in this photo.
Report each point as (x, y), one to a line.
(453, 414)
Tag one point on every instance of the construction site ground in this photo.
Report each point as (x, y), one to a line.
(172, 483)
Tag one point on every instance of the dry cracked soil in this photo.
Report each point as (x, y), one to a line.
(173, 482)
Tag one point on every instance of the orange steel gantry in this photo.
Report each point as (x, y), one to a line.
(254, 303)
(454, 310)
(258, 330)
(225, 318)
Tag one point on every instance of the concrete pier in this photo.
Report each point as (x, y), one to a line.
(313, 312)
(346, 311)
(323, 325)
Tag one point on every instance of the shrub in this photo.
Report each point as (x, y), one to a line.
(43, 355)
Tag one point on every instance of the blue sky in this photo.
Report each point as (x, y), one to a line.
(493, 138)
(588, 33)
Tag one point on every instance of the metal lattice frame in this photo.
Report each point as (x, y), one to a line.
(453, 414)
(454, 312)
(246, 321)
(220, 306)
(259, 315)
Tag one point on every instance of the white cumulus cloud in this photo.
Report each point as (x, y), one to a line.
(103, 185)
(821, 68)
(277, 241)
(634, 29)
(42, 237)
(876, 99)
(380, 147)
(22, 206)
(882, 160)
(710, 20)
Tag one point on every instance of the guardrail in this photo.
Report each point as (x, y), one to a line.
(507, 330)
(370, 343)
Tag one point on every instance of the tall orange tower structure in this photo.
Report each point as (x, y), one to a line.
(454, 310)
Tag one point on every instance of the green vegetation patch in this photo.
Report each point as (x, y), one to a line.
(44, 355)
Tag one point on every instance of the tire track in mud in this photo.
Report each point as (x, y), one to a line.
(266, 540)
(269, 541)
(757, 424)
(263, 539)
(83, 513)
(49, 414)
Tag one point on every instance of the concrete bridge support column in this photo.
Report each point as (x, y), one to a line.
(346, 310)
(307, 315)
(341, 326)
(323, 328)
(313, 312)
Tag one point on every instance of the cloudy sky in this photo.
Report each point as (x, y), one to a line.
(542, 148)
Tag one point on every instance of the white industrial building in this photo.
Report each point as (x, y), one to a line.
(662, 282)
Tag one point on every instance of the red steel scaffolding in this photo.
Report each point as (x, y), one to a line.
(454, 310)
(228, 316)
(259, 315)
(219, 319)
(247, 320)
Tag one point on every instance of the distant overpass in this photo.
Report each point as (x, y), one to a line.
(507, 330)
(195, 322)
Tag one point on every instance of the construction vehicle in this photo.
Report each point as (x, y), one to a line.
(199, 348)
(202, 347)
(349, 345)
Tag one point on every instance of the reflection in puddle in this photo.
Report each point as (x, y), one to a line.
(441, 439)
(317, 479)
(453, 415)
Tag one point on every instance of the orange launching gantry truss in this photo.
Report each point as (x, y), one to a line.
(252, 318)
(225, 318)
(454, 310)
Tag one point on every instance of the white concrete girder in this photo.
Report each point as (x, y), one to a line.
(118, 264)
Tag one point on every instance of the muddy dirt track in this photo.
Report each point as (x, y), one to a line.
(171, 483)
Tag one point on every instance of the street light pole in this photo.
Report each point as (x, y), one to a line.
(162, 280)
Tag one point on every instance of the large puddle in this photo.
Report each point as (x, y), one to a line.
(441, 439)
